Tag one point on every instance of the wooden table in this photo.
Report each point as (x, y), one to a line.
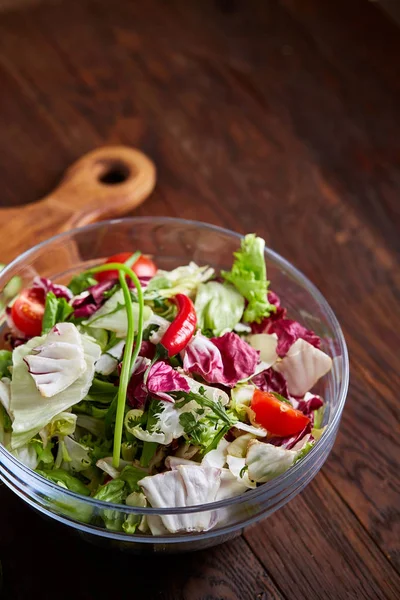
(280, 117)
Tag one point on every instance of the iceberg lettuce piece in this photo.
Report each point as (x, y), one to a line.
(219, 307)
(182, 280)
(30, 411)
(58, 361)
(112, 315)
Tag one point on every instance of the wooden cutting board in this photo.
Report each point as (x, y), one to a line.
(105, 183)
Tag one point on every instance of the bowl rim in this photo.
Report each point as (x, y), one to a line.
(252, 494)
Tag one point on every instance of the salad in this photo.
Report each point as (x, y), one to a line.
(145, 387)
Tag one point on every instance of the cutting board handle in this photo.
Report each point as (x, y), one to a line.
(105, 183)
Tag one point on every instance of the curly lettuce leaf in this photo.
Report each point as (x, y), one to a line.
(249, 276)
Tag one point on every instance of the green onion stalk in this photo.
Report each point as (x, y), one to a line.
(130, 354)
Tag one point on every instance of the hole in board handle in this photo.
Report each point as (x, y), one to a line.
(114, 173)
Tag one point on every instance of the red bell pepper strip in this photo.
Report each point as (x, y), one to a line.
(181, 330)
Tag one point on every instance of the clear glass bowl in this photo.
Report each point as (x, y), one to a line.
(174, 242)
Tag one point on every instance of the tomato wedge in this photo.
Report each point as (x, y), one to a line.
(279, 418)
(143, 267)
(27, 312)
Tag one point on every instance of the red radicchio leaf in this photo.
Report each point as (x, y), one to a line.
(91, 299)
(60, 291)
(288, 332)
(289, 442)
(308, 406)
(136, 392)
(224, 360)
(202, 356)
(163, 378)
(147, 350)
(271, 381)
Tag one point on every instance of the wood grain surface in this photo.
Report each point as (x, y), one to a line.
(274, 116)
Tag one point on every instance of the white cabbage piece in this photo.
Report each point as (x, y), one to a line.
(216, 458)
(58, 361)
(258, 431)
(239, 446)
(266, 344)
(230, 484)
(109, 360)
(182, 280)
(27, 455)
(78, 455)
(163, 324)
(60, 426)
(236, 453)
(107, 468)
(187, 485)
(32, 412)
(237, 467)
(266, 461)
(212, 393)
(156, 525)
(302, 366)
(106, 465)
(112, 315)
(172, 462)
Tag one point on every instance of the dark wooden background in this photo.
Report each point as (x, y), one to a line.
(277, 116)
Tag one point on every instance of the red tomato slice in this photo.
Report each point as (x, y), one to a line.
(279, 418)
(143, 267)
(27, 312)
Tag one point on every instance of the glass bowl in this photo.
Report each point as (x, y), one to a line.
(174, 242)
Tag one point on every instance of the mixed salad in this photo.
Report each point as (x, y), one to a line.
(145, 387)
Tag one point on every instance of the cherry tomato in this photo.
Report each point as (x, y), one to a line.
(279, 418)
(27, 312)
(143, 267)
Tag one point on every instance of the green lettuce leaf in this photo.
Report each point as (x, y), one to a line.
(30, 410)
(131, 475)
(219, 307)
(44, 453)
(81, 282)
(5, 363)
(132, 521)
(56, 311)
(5, 427)
(66, 480)
(249, 276)
(114, 491)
